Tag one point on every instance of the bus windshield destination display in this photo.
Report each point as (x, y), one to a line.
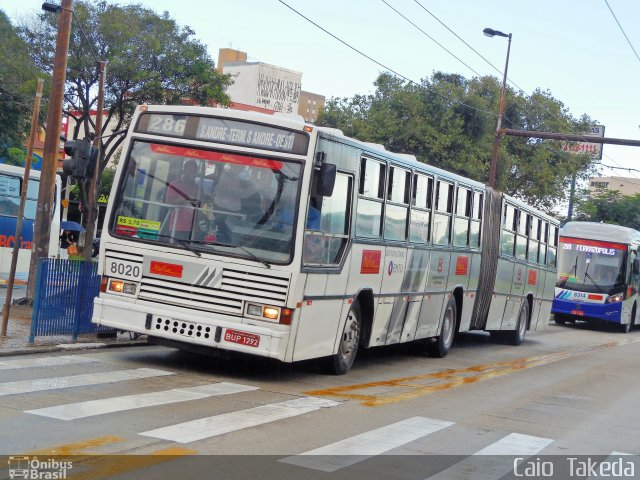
(226, 131)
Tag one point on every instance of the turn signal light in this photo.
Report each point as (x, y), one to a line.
(116, 286)
(103, 284)
(286, 315)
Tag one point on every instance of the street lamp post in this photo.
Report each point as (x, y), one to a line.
(489, 32)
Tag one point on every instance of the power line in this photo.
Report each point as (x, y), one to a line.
(563, 154)
(494, 67)
(622, 30)
(434, 40)
(381, 64)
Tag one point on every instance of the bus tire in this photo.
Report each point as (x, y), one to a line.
(516, 337)
(342, 361)
(440, 345)
(559, 319)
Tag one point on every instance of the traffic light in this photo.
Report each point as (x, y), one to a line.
(80, 152)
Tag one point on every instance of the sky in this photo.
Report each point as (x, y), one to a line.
(575, 49)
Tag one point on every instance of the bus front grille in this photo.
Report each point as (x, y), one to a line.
(228, 296)
(235, 288)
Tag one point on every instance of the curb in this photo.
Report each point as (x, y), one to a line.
(68, 347)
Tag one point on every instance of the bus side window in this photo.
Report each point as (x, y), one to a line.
(442, 217)
(421, 208)
(552, 247)
(462, 215)
(370, 199)
(476, 220)
(397, 209)
(508, 230)
(521, 237)
(326, 240)
(534, 239)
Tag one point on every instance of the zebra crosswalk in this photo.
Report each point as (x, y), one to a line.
(402, 437)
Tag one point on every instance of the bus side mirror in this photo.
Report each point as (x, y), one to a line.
(326, 179)
(636, 266)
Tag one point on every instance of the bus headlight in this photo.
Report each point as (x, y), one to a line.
(265, 312)
(619, 297)
(121, 287)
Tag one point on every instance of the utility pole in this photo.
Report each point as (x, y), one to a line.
(23, 201)
(45, 208)
(92, 214)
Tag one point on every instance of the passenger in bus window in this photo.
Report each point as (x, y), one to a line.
(313, 215)
(609, 276)
(183, 193)
(210, 228)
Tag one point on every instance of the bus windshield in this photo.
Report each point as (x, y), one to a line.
(208, 201)
(590, 265)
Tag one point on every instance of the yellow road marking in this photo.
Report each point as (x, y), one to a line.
(94, 466)
(108, 466)
(424, 384)
(77, 448)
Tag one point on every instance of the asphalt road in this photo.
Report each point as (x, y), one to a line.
(567, 391)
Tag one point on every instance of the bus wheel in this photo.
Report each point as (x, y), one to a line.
(341, 362)
(516, 337)
(440, 346)
(625, 327)
(559, 319)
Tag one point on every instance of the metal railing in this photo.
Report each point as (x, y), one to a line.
(63, 299)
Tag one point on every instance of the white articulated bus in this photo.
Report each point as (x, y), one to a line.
(260, 234)
(598, 274)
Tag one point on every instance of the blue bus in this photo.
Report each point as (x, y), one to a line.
(11, 181)
(598, 274)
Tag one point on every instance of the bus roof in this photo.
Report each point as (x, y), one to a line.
(601, 231)
(18, 171)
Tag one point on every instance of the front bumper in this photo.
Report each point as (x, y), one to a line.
(609, 312)
(193, 327)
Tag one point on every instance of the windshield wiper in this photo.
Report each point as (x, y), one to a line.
(574, 269)
(230, 245)
(185, 243)
(586, 275)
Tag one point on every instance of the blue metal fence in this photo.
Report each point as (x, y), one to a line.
(63, 299)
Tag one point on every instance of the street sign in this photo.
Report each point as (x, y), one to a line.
(594, 150)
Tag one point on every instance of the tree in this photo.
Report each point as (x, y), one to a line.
(18, 78)
(151, 59)
(609, 207)
(448, 121)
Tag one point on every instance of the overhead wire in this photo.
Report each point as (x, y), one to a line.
(495, 68)
(381, 64)
(622, 30)
(409, 80)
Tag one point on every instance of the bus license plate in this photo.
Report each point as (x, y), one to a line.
(577, 312)
(248, 339)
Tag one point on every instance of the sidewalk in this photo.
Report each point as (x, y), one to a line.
(16, 342)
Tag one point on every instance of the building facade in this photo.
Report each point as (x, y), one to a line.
(268, 87)
(624, 185)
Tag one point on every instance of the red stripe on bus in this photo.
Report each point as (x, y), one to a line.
(216, 156)
(593, 243)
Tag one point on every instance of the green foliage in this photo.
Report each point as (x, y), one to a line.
(18, 79)
(106, 181)
(16, 156)
(609, 207)
(447, 121)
